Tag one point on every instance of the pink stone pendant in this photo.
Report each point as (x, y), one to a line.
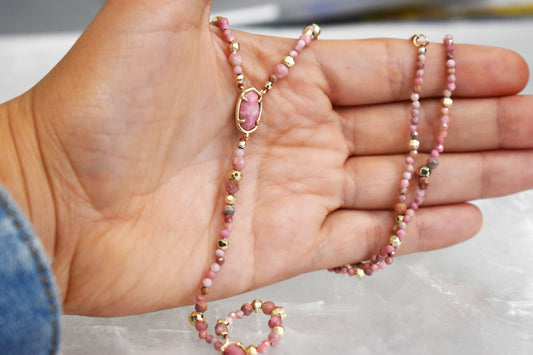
(232, 348)
(248, 110)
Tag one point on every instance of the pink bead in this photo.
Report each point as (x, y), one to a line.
(293, 53)
(402, 198)
(268, 307)
(389, 248)
(404, 183)
(232, 315)
(445, 119)
(407, 219)
(215, 267)
(412, 128)
(224, 234)
(237, 69)
(274, 338)
(274, 321)
(409, 160)
(228, 37)
(415, 104)
(211, 275)
(451, 78)
(202, 334)
(415, 96)
(219, 253)
(440, 148)
(207, 282)
(388, 260)
(451, 87)
(217, 345)
(299, 46)
(281, 71)
(400, 233)
(435, 153)
(200, 326)
(450, 63)
(419, 80)
(249, 110)
(440, 140)
(239, 163)
(351, 271)
(420, 72)
(239, 314)
(415, 112)
(375, 267)
(235, 58)
(200, 298)
(306, 38)
(223, 23)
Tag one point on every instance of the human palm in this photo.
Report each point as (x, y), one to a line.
(136, 132)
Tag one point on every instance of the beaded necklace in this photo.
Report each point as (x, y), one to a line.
(247, 119)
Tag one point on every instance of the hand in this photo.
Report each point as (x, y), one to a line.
(134, 132)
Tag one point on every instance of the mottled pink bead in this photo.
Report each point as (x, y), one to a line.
(404, 183)
(451, 78)
(281, 71)
(409, 212)
(388, 260)
(415, 96)
(224, 234)
(274, 321)
(445, 119)
(234, 350)
(451, 86)
(415, 112)
(412, 128)
(274, 338)
(219, 253)
(419, 80)
(440, 148)
(211, 275)
(217, 345)
(215, 267)
(402, 198)
(420, 72)
(210, 338)
(239, 314)
(450, 63)
(200, 325)
(414, 206)
(306, 38)
(344, 270)
(239, 163)
(265, 344)
(202, 334)
(416, 104)
(232, 186)
(207, 282)
(444, 110)
(223, 23)
(389, 249)
(247, 309)
(440, 140)
(409, 160)
(435, 153)
(268, 307)
(400, 233)
(237, 69)
(375, 267)
(299, 46)
(200, 297)
(293, 53)
(235, 58)
(232, 315)
(351, 271)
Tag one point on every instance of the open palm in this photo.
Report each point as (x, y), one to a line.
(135, 131)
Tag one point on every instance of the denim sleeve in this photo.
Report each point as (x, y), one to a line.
(29, 303)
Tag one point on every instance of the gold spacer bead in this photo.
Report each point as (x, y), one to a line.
(251, 350)
(204, 290)
(242, 143)
(422, 50)
(223, 321)
(279, 312)
(234, 46)
(316, 31)
(424, 171)
(215, 20)
(399, 218)
(223, 244)
(360, 273)
(257, 306)
(395, 241)
(288, 61)
(414, 144)
(240, 78)
(223, 333)
(447, 102)
(278, 329)
(230, 199)
(195, 317)
(236, 175)
(269, 85)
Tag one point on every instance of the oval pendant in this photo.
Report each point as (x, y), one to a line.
(248, 110)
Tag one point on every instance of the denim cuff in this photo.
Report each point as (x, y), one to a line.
(29, 299)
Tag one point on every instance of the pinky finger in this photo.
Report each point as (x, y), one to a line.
(353, 236)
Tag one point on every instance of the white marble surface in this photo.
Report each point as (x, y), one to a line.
(474, 298)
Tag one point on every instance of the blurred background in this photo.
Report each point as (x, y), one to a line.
(30, 16)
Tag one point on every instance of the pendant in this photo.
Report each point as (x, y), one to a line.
(248, 110)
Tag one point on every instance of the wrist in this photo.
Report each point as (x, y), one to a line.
(23, 174)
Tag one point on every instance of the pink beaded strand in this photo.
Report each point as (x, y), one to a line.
(247, 116)
(405, 214)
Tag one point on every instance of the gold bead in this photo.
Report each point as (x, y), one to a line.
(251, 350)
(195, 317)
(288, 61)
(399, 218)
(204, 290)
(223, 321)
(215, 20)
(447, 102)
(240, 78)
(312, 31)
(279, 329)
(360, 273)
(269, 85)
(424, 171)
(422, 50)
(242, 143)
(234, 46)
(236, 175)
(257, 306)
(223, 244)
(230, 199)
(395, 241)
(279, 312)
(414, 144)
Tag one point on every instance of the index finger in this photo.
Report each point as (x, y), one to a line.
(361, 72)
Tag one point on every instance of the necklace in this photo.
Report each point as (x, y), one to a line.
(249, 108)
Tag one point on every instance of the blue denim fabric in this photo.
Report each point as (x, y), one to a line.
(29, 302)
